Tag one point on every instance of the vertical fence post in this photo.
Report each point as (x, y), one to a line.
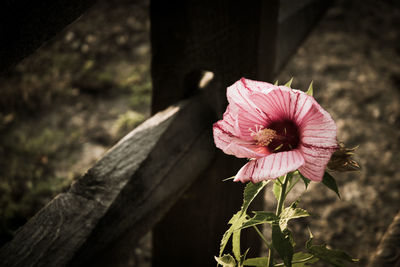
(233, 39)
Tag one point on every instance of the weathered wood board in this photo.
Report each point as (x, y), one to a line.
(122, 196)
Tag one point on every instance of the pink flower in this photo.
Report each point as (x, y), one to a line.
(279, 128)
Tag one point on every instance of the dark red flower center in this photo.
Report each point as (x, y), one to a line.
(287, 136)
(278, 136)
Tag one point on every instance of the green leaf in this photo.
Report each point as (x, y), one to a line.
(289, 83)
(286, 232)
(289, 213)
(235, 222)
(236, 245)
(260, 217)
(335, 257)
(305, 180)
(282, 244)
(276, 82)
(301, 259)
(226, 260)
(261, 261)
(310, 90)
(277, 188)
(250, 192)
(330, 182)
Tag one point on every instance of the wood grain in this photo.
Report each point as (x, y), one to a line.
(119, 200)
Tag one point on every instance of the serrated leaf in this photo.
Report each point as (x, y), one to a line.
(335, 257)
(289, 213)
(310, 90)
(259, 217)
(235, 222)
(250, 192)
(282, 244)
(305, 259)
(276, 82)
(260, 261)
(226, 260)
(289, 83)
(330, 182)
(305, 180)
(236, 245)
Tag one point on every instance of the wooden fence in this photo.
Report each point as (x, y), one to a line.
(166, 174)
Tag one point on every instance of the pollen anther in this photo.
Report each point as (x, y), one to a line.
(263, 137)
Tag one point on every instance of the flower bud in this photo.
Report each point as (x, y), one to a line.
(342, 160)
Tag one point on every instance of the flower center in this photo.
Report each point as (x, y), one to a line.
(278, 136)
(264, 137)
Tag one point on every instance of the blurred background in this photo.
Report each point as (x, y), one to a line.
(64, 106)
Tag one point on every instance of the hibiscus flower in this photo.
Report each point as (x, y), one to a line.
(278, 128)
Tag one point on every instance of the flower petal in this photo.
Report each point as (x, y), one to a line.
(270, 167)
(248, 114)
(284, 103)
(316, 160)
(233, 145)
(318, 128)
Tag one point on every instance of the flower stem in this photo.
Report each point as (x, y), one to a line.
(278, 211)
(282, 195)
(262, 237)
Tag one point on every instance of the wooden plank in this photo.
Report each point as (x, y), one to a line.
(122, 196)
(27, 24)
(233, 40)
(219, 36)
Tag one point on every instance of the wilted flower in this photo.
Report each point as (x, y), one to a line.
(279, 128)
(342, 160)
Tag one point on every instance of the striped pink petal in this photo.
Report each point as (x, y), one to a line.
(316, 160)
(248, 114)
(270, 167)
(303, 134)
(318, 128)
(283, 103)
(233, 145)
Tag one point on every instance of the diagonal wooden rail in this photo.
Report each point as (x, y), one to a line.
(122, 196)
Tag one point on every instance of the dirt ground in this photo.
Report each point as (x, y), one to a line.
(59, 123)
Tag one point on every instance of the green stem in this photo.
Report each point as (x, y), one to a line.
(262, 237)
(270, 258)
(279, 208)
(282, 195)
(299, 261)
